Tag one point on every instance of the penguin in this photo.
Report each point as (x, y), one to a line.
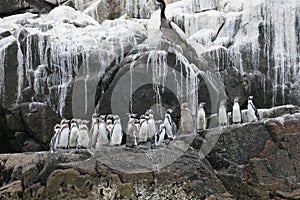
(223, 120)
(236, 112)
(131, 120)
(132, 131)
(143, 131)
(94, 131)
(116, 132)
(73, 134)
(54, 139)
(169, 124)
(83, 140)
(252, 111)
(109, 125)
(186, 119)
(63, 140)
(201, 120)
(151, 124)
(102, 138)
(161, 134)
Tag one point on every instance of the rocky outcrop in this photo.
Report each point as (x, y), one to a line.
(246, 161)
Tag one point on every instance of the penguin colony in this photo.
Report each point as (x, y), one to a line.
(106, 130)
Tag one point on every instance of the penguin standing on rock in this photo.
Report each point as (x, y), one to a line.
(252, 111)
(223, 120)
(116, 133)
(73, 134)
(161, 134)
(201, 120)
(132, 132)
(151, 124)
(102, 137)
(143, 132)
(54, 139)
(83, 140)
(236, 112)
(94, 130)
(109, 125)
(63, 139)
(186, 120)
(169, 124)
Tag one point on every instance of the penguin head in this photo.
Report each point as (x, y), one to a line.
(64, 121)
(185, 105)
(236, 99)
(95, 115)
(110, 117)
(102, 117)
(160, 2)
(116, 118)
(169, 111)
(150, 111)
(146, 114)
(56, 127)
(142, 117)
(250, 98)
(108, 121)
(85, 121)
(202, 104)
(223, 102)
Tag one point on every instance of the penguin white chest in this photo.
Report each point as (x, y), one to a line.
(116, 135)
(186, 120)
(143, 132)
(102, 138)
(94, 133)
(236, 113)
(83, 140)
(251, 113)
(73, 137)
(168, 125)
(64, 138)
(151, 128)
(222, 116)
(201, 121)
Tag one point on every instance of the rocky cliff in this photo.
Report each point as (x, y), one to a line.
(68, 61)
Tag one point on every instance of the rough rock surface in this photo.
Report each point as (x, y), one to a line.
(247, 161)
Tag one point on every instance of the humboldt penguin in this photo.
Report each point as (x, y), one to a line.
(132, 132)
(186, 119)
(94, 129)
(131, 119)
(83, 140)
(252, 111)
(236, 112)
(169, 124)
(73, 134)
(223, 120)
(63, 140)
(109, 125)
(151, 124)
(54, 139)
(143, 132)
(201, 120)
(161, 134)
(102, 138)
(116, 132)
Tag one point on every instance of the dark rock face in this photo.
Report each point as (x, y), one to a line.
(247, 161)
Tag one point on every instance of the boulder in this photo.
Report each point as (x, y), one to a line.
(10, 66)
(39, 120)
